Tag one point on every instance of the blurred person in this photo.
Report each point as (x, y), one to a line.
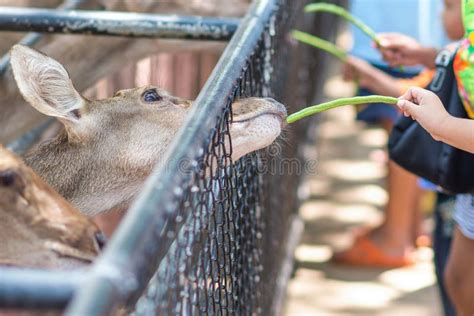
(381, 83)
(392, 243)
(399, 50)
(427, 109)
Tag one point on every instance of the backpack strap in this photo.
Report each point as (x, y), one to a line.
(442, 82)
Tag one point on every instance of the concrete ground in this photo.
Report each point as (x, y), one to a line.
(347, 190)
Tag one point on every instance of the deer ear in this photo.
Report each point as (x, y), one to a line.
(45, 84)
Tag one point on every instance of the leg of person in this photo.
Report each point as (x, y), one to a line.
(395, 235)
(390, 244)
(442, 237)
(459, 275)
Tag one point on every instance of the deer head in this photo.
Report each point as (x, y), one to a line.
(38, 228)
(110, 146)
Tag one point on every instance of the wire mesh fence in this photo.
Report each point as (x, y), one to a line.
(231, 220)
(209, 235)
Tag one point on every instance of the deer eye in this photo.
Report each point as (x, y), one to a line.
(101, 239)
(7, 178)
(151, 96)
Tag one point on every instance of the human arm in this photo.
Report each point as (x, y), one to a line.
(374, 79)
(425, 107)
(370, 78)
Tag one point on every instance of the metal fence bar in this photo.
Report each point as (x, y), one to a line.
(38, 289)
(286, 269)
(117, 24)
(33, 38)
(127, 264)
(22, 144)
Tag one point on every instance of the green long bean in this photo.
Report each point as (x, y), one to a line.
(337, 103)
(332, 8)
(320, 43)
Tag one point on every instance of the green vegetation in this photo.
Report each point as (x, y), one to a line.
(337, 103)
(332, 8)
(320, 43)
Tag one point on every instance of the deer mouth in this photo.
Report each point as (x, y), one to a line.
(276, 109)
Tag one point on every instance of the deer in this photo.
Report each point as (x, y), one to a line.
(109, 147)
(91, 58)
(38, 227)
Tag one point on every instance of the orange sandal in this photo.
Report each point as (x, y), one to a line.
(366, 253)
(423, 240)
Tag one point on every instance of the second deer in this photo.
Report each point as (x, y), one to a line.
(38, 228)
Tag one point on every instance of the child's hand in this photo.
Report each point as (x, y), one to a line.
(425, 107)
(398, 50)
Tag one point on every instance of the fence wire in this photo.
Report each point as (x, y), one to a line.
(220, 240)
(217, 235)
(215, 264)
(226, 257)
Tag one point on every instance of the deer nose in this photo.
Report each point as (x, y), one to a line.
(279, 108)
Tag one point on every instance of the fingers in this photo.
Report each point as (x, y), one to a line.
(407, 95)
(411, 101)
(414, 94)
(408, 108)
(392, 57)
(398, 49)
(390, 41)
(391, 53)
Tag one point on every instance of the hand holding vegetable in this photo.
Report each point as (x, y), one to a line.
(425, 107)
(399, 50)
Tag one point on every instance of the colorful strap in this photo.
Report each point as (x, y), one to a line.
(464, 60)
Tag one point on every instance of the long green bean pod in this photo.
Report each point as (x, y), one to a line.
(332, 8)
(337, 103)
(320, 43)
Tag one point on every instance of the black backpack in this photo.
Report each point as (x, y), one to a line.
(414, 149)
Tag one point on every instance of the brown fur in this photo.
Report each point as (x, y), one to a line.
(38, 228)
